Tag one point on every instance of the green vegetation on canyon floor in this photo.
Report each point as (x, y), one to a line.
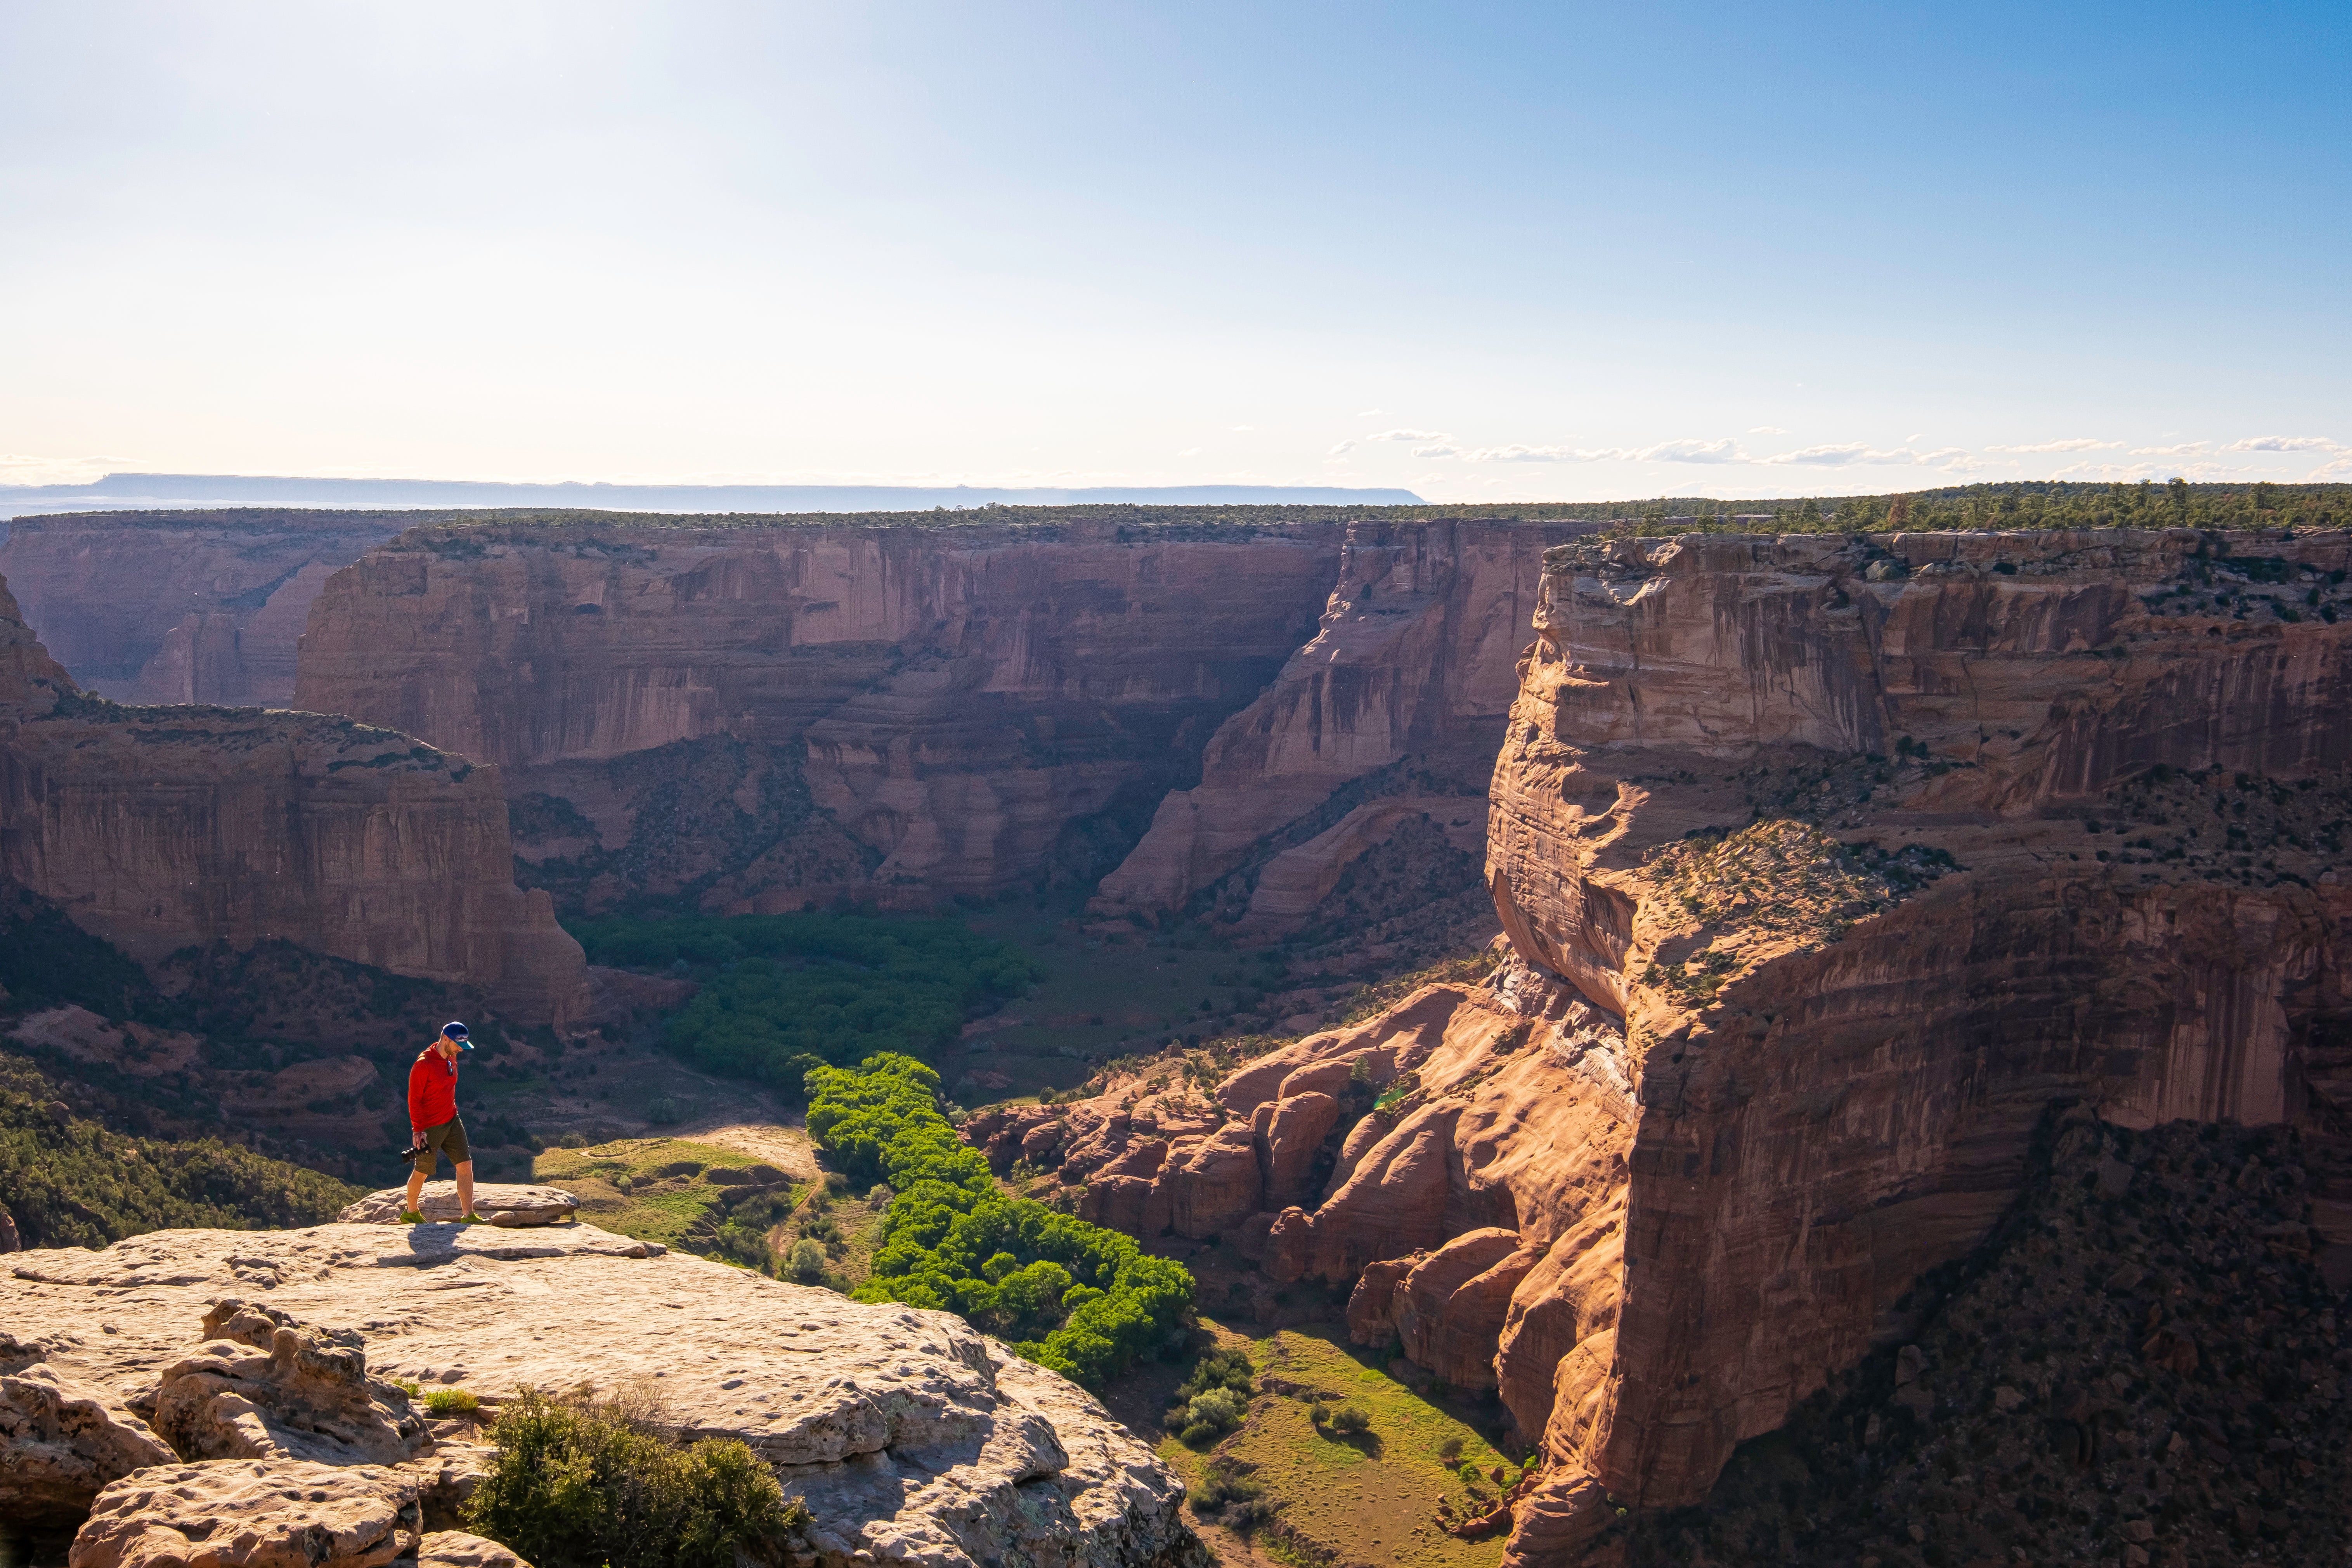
(1074, 1297)
(783, 994)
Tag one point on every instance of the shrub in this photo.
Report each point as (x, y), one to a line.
(1451, 1450)
(451, 1402)
(1223, 1481)
(572, 1141)
(1080, 1299)
(576, 1482)
(805, 1261)
(1471, 1474)
(1351, 1421)
(1208, 1416)
(74, 1183)
(662, 1110)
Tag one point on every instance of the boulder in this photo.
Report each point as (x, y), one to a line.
(1284, 1253)
(1395, 1198)
(501, 1203)
(1371, 1305)
(263, 1386)
(249, 1513)
(1217, 1184)
(1449, 1309)
(63, 1442)
(1293, 1134)
(909, 1434)
(455, 1549)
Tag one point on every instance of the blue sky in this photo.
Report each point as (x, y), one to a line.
(1491, 253)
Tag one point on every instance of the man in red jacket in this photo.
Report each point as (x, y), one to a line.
(433, 1118)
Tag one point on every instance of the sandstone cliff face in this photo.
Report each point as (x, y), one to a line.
(1877, 848)
(1412, 664)
(162, 827)
(273, 1355)
(182, 606)
(978, 707)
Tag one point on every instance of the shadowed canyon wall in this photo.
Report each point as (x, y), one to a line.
(159, 827)
(754, 716)
(1827, 866)
(182, 606)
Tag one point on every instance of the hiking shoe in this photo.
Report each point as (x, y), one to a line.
(412, 1217)
(470, 1219)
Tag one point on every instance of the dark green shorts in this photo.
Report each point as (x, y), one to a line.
(450, 1138)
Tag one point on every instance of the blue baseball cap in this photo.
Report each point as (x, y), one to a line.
(456, 1032)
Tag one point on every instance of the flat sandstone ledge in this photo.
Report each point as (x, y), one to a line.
(909, 1434)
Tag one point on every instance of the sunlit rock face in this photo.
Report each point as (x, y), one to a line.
(1409, 673)
(162, 827)
(1876, 847)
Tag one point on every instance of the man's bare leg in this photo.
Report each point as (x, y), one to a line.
(415, 1191)
(465, 1191)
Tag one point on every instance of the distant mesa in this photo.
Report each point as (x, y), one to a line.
(129, 492)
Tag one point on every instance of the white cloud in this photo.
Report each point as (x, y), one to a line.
(1534, 454)
(1342, 449)
(1368, 413)
(1766, 430)
(2114, 473)
(1914, 438)
(1189, 452)
(2341, 468)
(1850, 453)
(2078, 444)
(2287, 444)
(2182, 450)
(1439, 450)
(1691, 449)
(1410, 436)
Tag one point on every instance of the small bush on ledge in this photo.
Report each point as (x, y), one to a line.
(599, 1485)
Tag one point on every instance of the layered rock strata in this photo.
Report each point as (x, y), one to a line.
(974, 704)
(910, 1436)
(1826, 865)
(1878, 847)
(183, 607)
(158, 829)
(1409, 673)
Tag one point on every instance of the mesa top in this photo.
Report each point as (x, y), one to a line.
(432, 1090)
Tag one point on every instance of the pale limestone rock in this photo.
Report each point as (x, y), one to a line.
(263, 1386)
(249, 1513)
(909, 1434)
(61, 1442)
(455, 1549)
(501, 1203)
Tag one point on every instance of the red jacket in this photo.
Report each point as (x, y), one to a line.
(432, 1090)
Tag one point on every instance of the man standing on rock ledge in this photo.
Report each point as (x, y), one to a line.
(433, 1118)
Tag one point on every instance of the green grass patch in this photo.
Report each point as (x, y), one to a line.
(782, 994)
(1372, 1497)
(662, 1189)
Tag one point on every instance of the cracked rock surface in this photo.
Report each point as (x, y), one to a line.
(910, 1436)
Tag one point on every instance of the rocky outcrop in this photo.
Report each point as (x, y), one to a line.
(62, 1442)
(254, 1513)
(908, 1435)
(158, 829)
(501, 1203)
(1878, 847)
(1409, 673)
(976, 705)
(262, 1386)
(154, 607)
